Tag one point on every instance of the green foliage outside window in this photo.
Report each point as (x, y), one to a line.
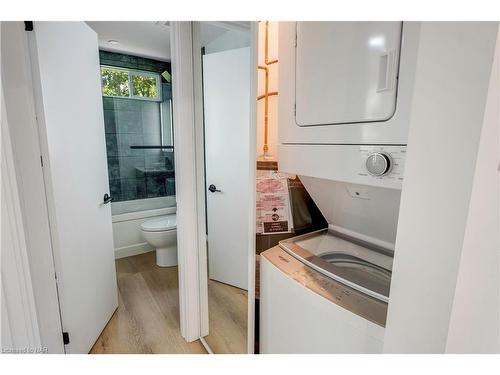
(118, 83)
(144, 86)
(114, 82)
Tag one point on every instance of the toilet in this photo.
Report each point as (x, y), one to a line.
(161, 233)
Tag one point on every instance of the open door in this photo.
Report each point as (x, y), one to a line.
(65, 61)
(226, 86)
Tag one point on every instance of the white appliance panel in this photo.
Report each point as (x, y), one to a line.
(365, 212)
(346, 72)
(296, 319)
(314, 91)
(346, 163)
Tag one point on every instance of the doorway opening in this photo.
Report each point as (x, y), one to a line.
(224, 54)
(136, 83)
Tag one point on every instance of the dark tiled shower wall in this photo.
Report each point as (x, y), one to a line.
(133, 62)
(136, 173)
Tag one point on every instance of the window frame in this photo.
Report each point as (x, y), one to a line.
(130, 73)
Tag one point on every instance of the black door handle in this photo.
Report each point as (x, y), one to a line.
(107, 198)
(212, 188)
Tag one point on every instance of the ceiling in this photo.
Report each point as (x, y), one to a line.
(152, 38)
(140, 38)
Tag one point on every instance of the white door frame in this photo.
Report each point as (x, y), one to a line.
(190, 180)
(30, 183)
(190, 161)
(186, 149)
(187, 173)
(20, 328)
(191, 214)
(252, 139)
(200, 173)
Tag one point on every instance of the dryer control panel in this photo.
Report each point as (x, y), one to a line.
(381, 166)
(382, 162)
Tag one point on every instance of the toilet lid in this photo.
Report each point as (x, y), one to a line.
(160, 223)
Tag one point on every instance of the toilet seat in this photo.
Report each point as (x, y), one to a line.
(160, 224)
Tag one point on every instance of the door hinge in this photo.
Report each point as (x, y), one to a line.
(41, 160)
(295, 109)
(65, 338)
(28, 25)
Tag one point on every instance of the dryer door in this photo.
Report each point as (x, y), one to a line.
(346, 72)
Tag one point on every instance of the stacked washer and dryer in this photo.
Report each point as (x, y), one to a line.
(344, 108)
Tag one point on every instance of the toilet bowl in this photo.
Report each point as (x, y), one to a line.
(161, 233)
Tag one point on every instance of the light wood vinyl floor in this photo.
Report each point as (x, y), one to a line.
(147, 318)
(227, 310)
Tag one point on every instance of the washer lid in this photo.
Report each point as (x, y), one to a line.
(160, 224)
(360, 266)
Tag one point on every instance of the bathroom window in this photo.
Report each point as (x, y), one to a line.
(145, 85)
(131, 84)
(115, 82)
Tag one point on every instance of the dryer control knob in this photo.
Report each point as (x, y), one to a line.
(378, 164)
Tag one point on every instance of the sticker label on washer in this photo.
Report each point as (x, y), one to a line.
(273, 205)
(276, 227)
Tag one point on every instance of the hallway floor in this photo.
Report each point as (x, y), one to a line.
(147, 318)
(227, 309)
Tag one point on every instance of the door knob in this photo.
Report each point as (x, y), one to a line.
(107, 198)
(212, 188)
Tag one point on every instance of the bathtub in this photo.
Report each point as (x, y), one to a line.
(127, 219)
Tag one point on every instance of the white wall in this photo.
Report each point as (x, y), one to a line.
(128, 239)
(19, 323)
(475, 324)
(231, 39)
(452, 78)
(20, 108)
(127, 234)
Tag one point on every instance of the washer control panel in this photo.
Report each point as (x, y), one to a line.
(382, 162)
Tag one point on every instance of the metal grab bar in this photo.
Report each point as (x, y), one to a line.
(152, 147)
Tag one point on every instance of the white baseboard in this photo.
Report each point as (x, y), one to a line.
(136, 249)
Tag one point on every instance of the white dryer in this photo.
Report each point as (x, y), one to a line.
(345, 90)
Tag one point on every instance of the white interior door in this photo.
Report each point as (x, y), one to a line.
(65, 60)
(226, 85)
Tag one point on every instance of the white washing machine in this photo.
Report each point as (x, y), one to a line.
(323, 293)
(345, 90)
